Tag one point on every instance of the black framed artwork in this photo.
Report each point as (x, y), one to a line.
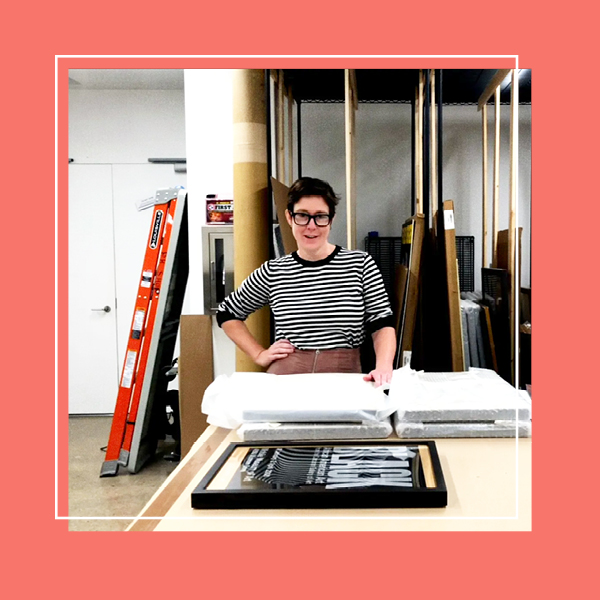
(350, 474)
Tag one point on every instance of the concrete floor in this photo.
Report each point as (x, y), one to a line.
(101, 499)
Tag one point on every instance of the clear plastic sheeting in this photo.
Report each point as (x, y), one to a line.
(475, 403)
(314, 397)
(473, 395)
(472, 334)
(263, 432)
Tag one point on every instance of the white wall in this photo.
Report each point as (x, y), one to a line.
(209, 141)
(126, 126)
(383, 171)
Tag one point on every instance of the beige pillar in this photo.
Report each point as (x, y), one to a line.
(252, 229)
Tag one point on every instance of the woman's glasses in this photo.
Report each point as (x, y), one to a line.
(321, 220)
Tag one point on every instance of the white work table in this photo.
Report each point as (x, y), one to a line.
(488, 482)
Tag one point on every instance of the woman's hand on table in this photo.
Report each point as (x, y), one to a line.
(379, 376)
(384, 342)
(277, 351)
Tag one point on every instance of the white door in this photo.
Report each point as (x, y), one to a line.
(93, 370)
(107, 243)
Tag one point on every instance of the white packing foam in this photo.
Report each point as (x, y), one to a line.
(255, 432)
(474, 429)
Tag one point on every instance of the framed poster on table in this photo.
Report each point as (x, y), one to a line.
(324, 475)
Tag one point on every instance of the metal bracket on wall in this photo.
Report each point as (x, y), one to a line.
(179, 164)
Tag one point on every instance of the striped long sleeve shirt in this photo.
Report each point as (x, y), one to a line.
(325, 304)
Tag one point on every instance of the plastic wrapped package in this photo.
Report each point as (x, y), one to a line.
(472, 334)
(307, 398)
(263, 432)
(473, 395)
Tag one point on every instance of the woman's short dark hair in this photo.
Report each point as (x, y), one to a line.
(310, 186)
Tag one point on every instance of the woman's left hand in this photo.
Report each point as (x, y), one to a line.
(379, 376)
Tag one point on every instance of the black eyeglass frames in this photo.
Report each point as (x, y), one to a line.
(321, 220)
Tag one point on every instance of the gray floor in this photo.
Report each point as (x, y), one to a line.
(123, 495)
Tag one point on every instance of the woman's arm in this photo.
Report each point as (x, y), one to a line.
(239, 333)
(384, 343)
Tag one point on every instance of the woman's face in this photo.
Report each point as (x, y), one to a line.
(311, 239)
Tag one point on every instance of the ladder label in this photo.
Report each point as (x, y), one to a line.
(154, 238)
(146, 279)
(138, 324)
(128, 369)
(448, 219)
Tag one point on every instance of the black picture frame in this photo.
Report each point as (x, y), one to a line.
(344, 474)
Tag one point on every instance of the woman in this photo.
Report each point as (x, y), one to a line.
(324, 298)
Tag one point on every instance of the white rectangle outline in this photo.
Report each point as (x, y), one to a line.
(374, 56)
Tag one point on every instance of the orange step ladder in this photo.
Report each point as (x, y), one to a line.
(140, 334)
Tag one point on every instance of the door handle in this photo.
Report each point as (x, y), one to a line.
(105, 309)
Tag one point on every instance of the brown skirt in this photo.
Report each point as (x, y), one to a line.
(342, 360)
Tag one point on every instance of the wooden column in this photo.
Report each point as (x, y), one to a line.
(290, 137)
(351, 105)
(484, 217)
(252, 229)
(415, 150)
(496, 198)
(513, 262)
(433, 149)
(493, 87)
(279, 126)
(420, 142)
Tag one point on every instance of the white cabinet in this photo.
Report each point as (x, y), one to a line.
(217, 254)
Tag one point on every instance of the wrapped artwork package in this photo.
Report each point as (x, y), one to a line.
(473, 395)
(307, 398)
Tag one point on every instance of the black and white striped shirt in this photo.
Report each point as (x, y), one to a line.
(324, 304)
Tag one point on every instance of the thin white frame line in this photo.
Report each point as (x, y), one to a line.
(56, 57)
(515, 56)
(516, 293)
(56, 516)
(277, 517)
